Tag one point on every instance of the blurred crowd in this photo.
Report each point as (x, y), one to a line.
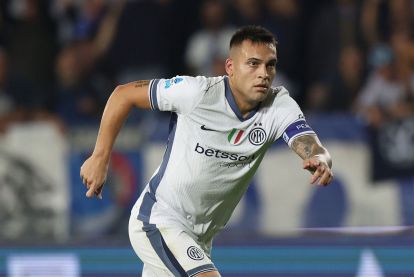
(60, 60)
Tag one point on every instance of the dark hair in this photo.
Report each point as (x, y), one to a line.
(253, 33)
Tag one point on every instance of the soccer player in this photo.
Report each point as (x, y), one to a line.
(220, 130)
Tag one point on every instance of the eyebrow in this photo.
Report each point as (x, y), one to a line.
(259, 60)
(273, 61)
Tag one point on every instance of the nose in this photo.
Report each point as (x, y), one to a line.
(263, 73)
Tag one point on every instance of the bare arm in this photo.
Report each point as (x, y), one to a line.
(122, 100)
(119, 104)
(316, 158)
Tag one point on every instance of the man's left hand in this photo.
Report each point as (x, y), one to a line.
(321, 172)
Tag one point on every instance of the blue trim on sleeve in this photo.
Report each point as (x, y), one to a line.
(296, 128)
(150, 94)
(153, 94)
(201, 269)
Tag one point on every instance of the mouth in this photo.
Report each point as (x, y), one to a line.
(262, 86)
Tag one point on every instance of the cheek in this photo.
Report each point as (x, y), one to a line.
(241, 81)
(272, 74)
(248, 73)
(270, 70)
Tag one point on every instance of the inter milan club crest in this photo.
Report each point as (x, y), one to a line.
(257, 136)
(195, 253)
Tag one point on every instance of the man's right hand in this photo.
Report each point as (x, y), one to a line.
(93, 174)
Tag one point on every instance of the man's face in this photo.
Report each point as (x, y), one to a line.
(251, 69)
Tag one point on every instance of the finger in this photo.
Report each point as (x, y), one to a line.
(318, 174)
(91, 190)
(88, 183)
(311, 163)
(327, 178)
(98, 192)
(309, 168)
(324, 179)
(315, 177)
(330, 179)
(90, 193)
(85, 182)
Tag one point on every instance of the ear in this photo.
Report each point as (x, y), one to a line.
(229, 67)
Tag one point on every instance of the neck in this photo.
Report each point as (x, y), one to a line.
(244, 106)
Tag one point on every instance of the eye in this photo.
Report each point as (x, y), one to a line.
(252, 63)
(271, 65)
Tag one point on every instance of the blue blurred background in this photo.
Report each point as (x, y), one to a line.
(348, 63)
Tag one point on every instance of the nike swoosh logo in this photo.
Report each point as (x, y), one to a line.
(203, 127)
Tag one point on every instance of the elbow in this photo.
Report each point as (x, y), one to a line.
(132, 94)
(116, 94)
(121, 93)
(119, 96)
(118, 89)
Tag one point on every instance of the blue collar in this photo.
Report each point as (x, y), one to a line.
(232, 102)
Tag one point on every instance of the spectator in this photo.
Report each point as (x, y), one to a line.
(247, 12)
(78, 101)
(10, 112)
(207, 48)
(340, 93)
(30, 40)
(6, 101)
(388, 93)
(380, 19)
(284, 19)
(131, 56)
(335, 26)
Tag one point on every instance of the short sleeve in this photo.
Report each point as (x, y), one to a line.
(292, 122)
(179, 94)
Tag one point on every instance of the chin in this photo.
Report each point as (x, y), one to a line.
(260, 97)
(262, 93)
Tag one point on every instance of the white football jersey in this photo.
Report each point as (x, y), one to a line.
(212, 152)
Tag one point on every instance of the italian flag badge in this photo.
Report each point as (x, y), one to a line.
(235, 136)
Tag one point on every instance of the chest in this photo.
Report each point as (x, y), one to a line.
(222, 130)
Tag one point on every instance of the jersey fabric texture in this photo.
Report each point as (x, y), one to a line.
(212, 152)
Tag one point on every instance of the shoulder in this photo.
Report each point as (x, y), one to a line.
(214, 82)
(185, 82)
(281, 105)
(280, 91)
(192, 85)
(203, 81)
(277, 96)
(178, 94)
